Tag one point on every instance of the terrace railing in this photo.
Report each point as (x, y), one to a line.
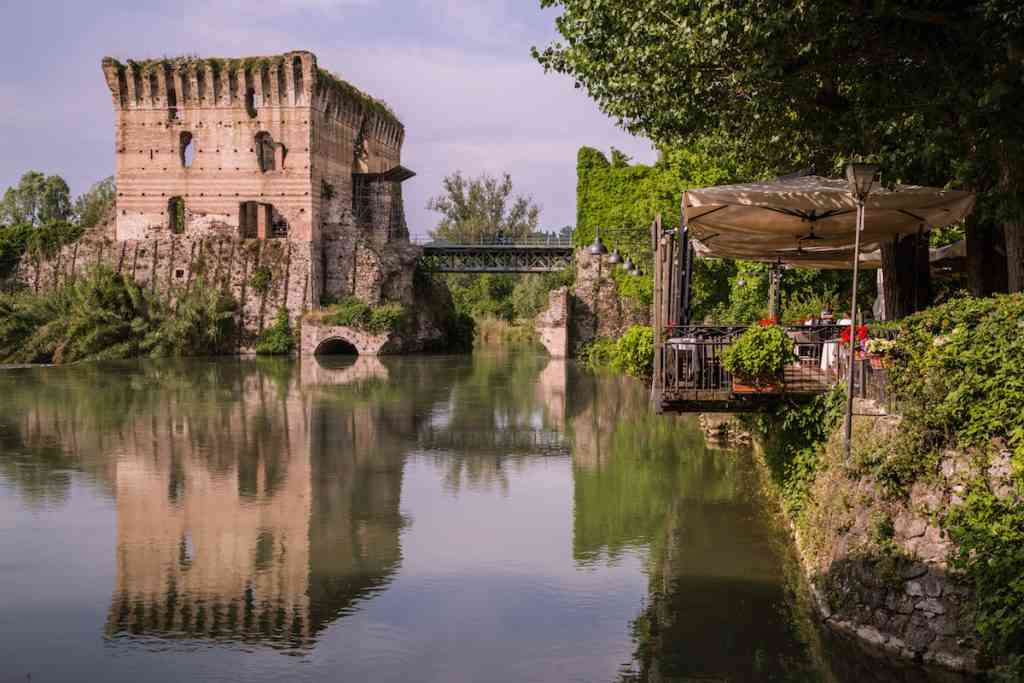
(693, 379)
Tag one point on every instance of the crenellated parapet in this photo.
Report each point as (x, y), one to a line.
(286, 80)
(340, 100)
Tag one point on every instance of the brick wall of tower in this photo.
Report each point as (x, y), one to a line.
(213, 101)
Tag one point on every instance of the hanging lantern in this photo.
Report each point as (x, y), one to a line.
(597, 248)
(616, 257)
(628, 265)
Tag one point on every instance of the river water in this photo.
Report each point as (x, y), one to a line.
(495, 517)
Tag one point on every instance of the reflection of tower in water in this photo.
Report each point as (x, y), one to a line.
(260, 520)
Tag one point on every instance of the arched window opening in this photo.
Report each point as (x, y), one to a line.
(200, 84)
(232, 93)
(336, 347)
(250, 102)
(187, 149)
(265, 151)
(297, 79)
(176, 215)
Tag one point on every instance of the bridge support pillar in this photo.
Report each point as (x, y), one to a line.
(552, 324)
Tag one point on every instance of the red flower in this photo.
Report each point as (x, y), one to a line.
(862, 334)
(768, 322)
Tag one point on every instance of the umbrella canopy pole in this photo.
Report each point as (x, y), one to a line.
(853, 326)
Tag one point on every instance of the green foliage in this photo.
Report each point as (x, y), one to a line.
(989, 537)
(632, 353)
(351, 312)
(482, 207)
(959, 378)
(759, 354)
(35, 200)
(794, 435)
(635, 351)
(530, 294)
(487, 295)
(260, 279)
(958, 383)
(105, 315)
(636, 288)
(784, 85)
(327, 191)
(598, 354)
(96, 205)
(279, 338)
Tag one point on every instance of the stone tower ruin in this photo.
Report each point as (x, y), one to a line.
(268, 157)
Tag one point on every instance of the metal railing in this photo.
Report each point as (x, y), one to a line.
(692, 366)
(692, 370)
(535, 240)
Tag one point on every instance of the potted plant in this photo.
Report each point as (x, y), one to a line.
(862, 338)
(757, 357)
(880, 352)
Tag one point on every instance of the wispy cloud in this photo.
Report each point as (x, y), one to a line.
(458, 73)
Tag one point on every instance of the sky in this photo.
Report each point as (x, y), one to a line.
(457, 72)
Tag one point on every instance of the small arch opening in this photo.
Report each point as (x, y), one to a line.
(336, 346)
(187, 149)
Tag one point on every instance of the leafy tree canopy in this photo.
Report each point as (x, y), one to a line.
(35, 200)
(931, 89)
(472, 208)
(93, 207)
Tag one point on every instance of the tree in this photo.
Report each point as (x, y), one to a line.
(93, 207)
(35, 200)
(930, 89)
(482, 207)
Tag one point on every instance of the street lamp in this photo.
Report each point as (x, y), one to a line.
(860, 177)
(597, 248)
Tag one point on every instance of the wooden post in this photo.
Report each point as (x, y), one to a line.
(656, 308)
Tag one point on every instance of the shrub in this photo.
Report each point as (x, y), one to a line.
(759, 354)
(106, 315)
(279, 338)
(632, 353)
(260, 280)
(351, 312)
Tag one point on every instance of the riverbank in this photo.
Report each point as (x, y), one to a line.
(911, 544)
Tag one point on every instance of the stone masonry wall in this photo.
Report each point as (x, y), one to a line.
(177, 262)
(552, 324)
(598, 310)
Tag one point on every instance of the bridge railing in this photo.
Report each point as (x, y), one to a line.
(496, 241)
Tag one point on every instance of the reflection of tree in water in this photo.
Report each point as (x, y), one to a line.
(495, 416)
(722, 605)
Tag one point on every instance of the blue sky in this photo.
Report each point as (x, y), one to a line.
(458, 73)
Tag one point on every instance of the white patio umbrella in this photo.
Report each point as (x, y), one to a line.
(816, 222)
(810, 221)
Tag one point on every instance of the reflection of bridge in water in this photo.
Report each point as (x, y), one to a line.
(509, 441)
(495, 255)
